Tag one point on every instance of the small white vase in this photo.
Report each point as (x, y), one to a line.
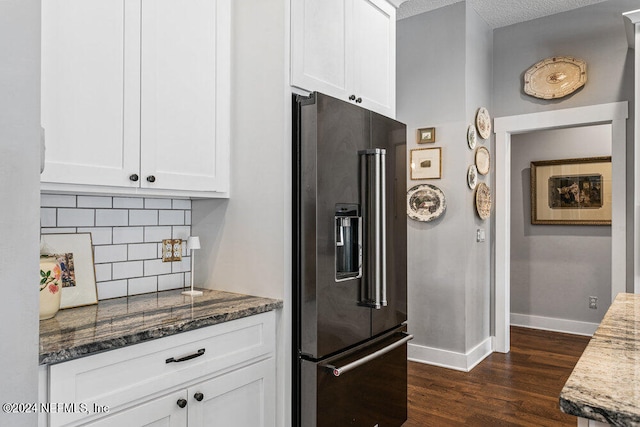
(50, 287)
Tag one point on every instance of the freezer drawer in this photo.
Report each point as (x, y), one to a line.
(365, 387)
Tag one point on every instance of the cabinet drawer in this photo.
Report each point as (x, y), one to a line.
(119, 378)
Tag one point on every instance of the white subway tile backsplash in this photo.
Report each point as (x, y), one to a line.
(171, 281)
(103, 272)
(99, 235)
(94, 202)
(182, 204)
(126, 234)
(48, 217)
(113, 289)
(143, 285)
(181, 266)
(112, 217)
(76, 217)
(144, 251)
(156, 234)
(156, 267)
(170, 217)
(126, 270)
(128, 203)
(143, 217)
(57, 201)
(181, 232)
(109, 253)
(58, 230)
(157, 203)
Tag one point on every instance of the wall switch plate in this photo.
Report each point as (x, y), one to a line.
(171, 250)
(593, 302)
(480, 236)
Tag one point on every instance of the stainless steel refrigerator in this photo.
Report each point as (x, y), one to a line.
(349, 278)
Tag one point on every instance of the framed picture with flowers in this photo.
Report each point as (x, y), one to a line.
(74, 255)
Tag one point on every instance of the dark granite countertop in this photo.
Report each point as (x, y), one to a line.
(605, 383)
(119, 322)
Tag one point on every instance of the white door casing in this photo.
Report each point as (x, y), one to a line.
(613, 113)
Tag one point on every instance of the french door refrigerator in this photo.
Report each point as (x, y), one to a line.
(349, 274)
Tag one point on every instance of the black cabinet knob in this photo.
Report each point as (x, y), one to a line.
(198, 396)
(359, 100)
(182, 403)
(133, 177)
(352, 98)
(151, 178)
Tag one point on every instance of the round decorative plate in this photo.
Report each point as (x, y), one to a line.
(483, 123)
(472, 176)
(471, 136)
(483, 160)
(555, 77)
(425, 202)
(483, 200)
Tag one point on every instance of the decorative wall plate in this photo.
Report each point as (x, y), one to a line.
(472, 176)
(425, 202)
(483, 123)
(555, 77)
(483, 160)
(471, 136)
(483, 200)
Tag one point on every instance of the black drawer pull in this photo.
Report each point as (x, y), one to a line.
(182, 403)
(185, 358)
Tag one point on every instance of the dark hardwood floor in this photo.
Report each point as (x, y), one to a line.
(520, 388)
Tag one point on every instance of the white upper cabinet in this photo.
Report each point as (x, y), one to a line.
(135, 96)
(346, 49)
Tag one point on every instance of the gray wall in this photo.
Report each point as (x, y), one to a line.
(19, 189)
(593, 33)
(244, 238)
(555, 268)
(443, 76)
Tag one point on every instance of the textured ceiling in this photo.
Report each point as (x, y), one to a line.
(499, 13)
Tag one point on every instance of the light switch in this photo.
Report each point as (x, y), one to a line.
(480, 235)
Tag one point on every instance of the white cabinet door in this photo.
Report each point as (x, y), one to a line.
(374, 55)
(184, 94)
(87, 93)
(346, 49)
(161, 412)
(319, 50)
(242, 398)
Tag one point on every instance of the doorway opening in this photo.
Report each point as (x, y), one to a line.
(614, 114)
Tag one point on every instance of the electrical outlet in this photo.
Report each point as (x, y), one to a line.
(171, 250)
(593, 302)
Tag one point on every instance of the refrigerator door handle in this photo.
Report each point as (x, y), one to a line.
(337, 371)
(373, 203)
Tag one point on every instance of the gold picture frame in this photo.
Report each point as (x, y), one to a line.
(571, 191)
(426, 135)
(426, 163)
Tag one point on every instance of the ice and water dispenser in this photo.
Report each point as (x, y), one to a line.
(348, 229)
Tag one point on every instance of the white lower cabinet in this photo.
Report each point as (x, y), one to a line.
(221, 375)
(243, 398)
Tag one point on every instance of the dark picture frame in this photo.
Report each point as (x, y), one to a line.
(571, 191)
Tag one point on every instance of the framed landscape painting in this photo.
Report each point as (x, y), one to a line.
(571, 191)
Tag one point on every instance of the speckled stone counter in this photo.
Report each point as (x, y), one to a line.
(120, 322)
(605, 384)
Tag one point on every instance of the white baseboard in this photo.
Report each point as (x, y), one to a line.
(553, 324)
(450, 359)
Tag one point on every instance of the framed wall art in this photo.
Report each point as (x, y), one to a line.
(571, 191)
(426, 163)
(76, 250)
(426, 135)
